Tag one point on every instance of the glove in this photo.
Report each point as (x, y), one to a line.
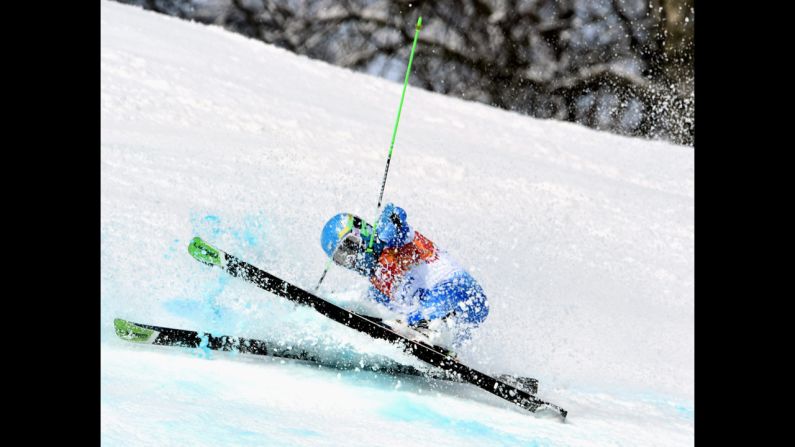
(392, 227)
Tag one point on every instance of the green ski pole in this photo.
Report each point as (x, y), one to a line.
(394, 132)
(391, 148)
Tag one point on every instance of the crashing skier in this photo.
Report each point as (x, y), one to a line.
(408, 274)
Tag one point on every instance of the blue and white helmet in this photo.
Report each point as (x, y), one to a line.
(344, 239)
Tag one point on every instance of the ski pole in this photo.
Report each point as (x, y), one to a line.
(323, 276)
(391, 148)
(394, 132)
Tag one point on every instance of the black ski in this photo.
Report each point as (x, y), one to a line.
(209, 255)
(164, 336)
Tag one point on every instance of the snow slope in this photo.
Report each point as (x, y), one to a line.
(583, 241)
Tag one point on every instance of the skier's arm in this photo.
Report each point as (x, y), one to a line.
(392, 227)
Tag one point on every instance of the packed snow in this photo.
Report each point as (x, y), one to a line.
(582, 240)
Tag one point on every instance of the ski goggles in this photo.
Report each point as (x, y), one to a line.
(349, 249)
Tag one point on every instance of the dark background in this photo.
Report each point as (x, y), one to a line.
(625, 66)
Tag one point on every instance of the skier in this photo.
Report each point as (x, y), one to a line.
(408, 274)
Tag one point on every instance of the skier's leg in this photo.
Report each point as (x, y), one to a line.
(471, 310)
(460, 295)
(452, 309)
(439, 302)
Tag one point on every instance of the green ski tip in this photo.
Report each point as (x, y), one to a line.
(132, 332)
(204, 252)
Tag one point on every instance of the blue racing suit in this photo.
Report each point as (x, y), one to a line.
(412, 276)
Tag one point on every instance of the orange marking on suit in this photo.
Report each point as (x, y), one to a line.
(395, 262)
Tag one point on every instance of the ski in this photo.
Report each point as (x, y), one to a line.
(165, 336)
(205, 253)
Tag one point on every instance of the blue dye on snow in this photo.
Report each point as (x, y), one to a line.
(403, 409)
(172, 249)
(185, 308)
(685, 412)
(207, 226)
(211, 297)
(206, 352)
(208, 310)
(666, 403)
(250, 237)
(248, 231)
(213, 221)
(204, 432)
(306, 433)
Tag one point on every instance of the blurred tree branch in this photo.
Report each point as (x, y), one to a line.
(619, 65)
